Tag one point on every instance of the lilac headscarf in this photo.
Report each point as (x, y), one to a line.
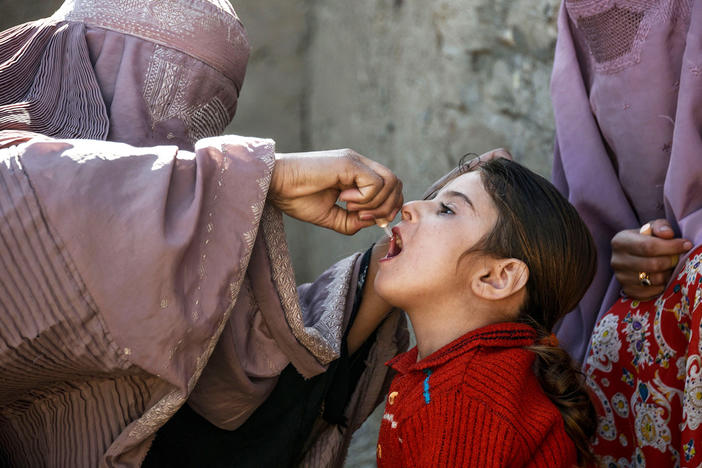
(627, 98)
(143, 73)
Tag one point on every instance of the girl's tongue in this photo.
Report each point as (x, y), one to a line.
(395, 246)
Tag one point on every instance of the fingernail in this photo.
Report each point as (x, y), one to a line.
(366, 217)
(687, 245)
(664, 228)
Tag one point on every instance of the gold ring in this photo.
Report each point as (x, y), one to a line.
(674, 259)
(644, 279)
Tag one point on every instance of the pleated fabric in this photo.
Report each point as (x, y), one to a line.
(47, 83)
(57, 357)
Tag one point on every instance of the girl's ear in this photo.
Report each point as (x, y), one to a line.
(500, 278)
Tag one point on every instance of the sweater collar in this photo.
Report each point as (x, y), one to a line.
(497, 335)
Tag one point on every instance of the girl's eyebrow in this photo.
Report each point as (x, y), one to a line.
(455, 194)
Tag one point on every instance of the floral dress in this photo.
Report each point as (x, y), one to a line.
(644, 370)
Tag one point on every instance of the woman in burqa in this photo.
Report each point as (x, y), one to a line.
(627, 97)
(144, 284)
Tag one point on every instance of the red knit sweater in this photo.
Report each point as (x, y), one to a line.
(474, 403)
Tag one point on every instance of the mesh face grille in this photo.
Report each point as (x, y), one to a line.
(611, 33)
(614, 31)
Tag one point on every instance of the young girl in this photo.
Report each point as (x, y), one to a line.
(484, 267)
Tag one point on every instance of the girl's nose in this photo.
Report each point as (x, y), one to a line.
(410, 211)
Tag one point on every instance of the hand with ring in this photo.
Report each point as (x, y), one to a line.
(644, 279)
(644, 259)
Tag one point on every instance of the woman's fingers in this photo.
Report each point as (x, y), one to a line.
(622, 261)
(642, 293)
(359, 181)
(469, 166)
(661, 228)
(495, 154)
(387, 210)
(632, 242)
(308, 186)
(369, 202)
(650, 253)
(631, 278)
(632, 286)
(345, 222)
(373, 184)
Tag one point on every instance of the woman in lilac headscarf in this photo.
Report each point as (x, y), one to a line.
(627, 97)
(136, 278)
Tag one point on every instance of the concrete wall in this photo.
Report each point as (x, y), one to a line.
(414, 84)
(417, 84)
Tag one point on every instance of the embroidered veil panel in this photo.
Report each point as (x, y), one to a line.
(197, 66)
(208, 30)
(616, 30)
(169, 83)
(208, 119)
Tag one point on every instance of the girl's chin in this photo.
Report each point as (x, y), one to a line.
(389, 292)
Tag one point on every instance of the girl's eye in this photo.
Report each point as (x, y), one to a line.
(445, 209)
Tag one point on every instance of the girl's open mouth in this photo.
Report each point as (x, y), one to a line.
(395, 245)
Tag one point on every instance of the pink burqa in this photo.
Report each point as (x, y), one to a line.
(133, 279)
(627, 99)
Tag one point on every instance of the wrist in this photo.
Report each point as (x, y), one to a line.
(277, 177)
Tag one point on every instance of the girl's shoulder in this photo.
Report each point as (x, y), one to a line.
(503, 379)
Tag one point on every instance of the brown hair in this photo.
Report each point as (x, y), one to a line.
(538, 226)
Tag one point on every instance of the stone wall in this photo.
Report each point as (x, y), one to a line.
(414, 84)
(19, 11)
(417, 84)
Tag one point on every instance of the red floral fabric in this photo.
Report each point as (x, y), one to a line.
(644, 369)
